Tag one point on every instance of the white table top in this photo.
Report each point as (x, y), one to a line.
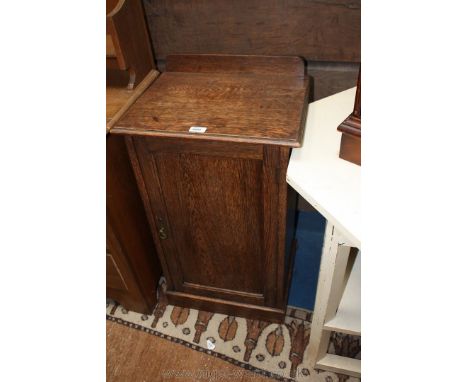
(330, 184)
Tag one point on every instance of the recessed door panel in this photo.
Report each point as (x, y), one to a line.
(214, 213)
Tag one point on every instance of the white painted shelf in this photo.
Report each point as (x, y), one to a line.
(339, 364)
(348, 316)
(333, 187)
(330, 184)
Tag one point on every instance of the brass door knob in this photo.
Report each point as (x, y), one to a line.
(162, 233)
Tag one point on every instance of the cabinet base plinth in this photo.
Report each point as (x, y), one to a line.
(233, 308)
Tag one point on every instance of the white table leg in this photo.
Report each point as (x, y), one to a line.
(329, 291)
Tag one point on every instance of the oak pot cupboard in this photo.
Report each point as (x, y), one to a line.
(209, 143)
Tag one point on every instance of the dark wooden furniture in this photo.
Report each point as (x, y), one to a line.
(327, 34)
(132, 267)
(220, 210)
(130, 67)
(128, 49)
(350, 148)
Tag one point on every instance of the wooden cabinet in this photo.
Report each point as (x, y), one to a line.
(221, 214)
(132, 267)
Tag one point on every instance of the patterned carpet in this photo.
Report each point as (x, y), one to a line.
(273, 350)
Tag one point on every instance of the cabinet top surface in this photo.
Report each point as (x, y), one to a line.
(236, 98)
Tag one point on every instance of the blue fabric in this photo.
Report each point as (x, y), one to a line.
(309, 235)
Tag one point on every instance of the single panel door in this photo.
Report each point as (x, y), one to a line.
(212, 204)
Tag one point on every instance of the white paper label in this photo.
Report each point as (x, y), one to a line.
(197, 129)
(210, 345)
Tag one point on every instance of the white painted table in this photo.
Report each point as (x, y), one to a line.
(332, 186)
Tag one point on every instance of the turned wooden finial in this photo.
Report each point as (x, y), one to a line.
(350, 148)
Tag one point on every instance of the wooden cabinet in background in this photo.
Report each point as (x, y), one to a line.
(350, 148)
(210, 142)
(132, 267)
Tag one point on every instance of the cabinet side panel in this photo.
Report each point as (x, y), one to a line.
(127, 221)
(283, 248)
(275, 215)
(270, 222)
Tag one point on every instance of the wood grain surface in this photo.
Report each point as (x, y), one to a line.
(234, 104)
(217, 202)
(210, 208)
(116, 98)
(129, 243)
(119, 99)
(133, 269)
(218, 216)
(210, 63)
(127, 40)
(221, 223)
(327, 78)
(318, 30)
(326, 33)
(136, 356)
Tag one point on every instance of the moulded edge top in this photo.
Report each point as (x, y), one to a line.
(284, 66)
